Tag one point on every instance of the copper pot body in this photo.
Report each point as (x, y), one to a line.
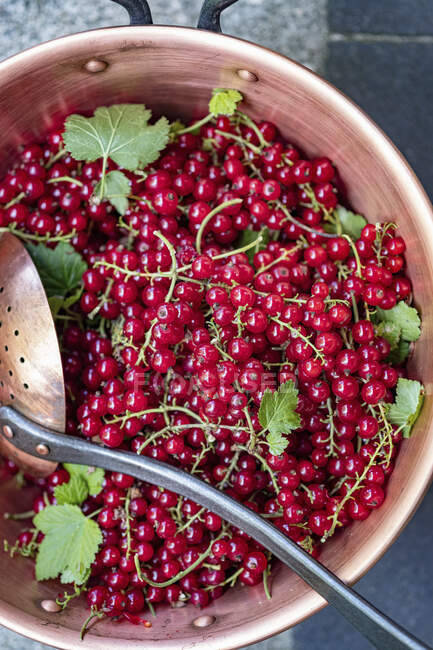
(173, 70)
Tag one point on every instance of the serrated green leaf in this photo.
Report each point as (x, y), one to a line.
(249, 236)
(119, 132)
(68, 577)
(407, 406)
(60, 268)
(116, 189)
(400, 354)
(277, 413)
(93, 476)
(74, 492)
(389, 331)
(404, 317)
(347, 223)
(224, 101)
(70, 543)
(277, 443)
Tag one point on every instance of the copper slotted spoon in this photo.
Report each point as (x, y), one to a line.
(33, 416)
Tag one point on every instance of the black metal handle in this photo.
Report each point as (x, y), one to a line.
(380, 630)
(140, 14)
(138, 10)
(211, 12)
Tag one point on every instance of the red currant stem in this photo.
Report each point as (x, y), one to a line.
(200, 457)
(265, 465)
(151, 607)
(331, 440)
(55, 158)
(307, 544)
(67, 597)
(93, 614)
(240, 140)
(231, 580)
(17, 199)
(191, 520)
(153, 437)
(359, 479)
(282, 257)
(208, 218)
(160, 409)
(94, 513)
(29, 514)
(355, 308)
(249, 122)
(196, 125)
(266, 573)
(229, 253)
(230, 469)
(252, 440)
(104, 297)
(43, 239)
(355, 254)
(146, 343)
(301, 225)
(66, 179)
(128, 522)
(181, 574)
(297, 334)
(347, 343)
(172, 252)
(388, 430)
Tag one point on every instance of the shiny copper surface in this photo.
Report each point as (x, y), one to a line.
(173, 71)
(31, 377)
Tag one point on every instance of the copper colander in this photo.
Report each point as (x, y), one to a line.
(173, 70)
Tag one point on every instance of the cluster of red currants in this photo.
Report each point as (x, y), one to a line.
(182, 326)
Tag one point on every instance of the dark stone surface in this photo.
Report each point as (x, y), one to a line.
(381, 16)
(393, 82)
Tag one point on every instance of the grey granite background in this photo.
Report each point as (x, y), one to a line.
(380, 54)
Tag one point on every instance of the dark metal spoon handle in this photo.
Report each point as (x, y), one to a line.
(381, 631)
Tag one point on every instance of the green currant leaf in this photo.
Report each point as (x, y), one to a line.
(389, 331)
(404, 317)
(60, 268)
(93, 476)
(277, 443)
(277, 414)
(120, 132)
(70, 544)
(224, 101)
(69, 576)
(400, 354)
(74, 492)
(347, 223)
(249, 236)
(407, 406)
(116, 189)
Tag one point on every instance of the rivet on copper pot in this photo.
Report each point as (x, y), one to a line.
(50, 606)
(204, 621)
(247, 75)
(42, 449)
(95, 65)
(8, 431)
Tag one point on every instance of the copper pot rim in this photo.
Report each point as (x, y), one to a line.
(27, 625)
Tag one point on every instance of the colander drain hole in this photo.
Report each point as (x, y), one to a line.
(6, 348)
(26, 386)
(11, 374)
(22, 359)
(16, 333)
(2, 289)
(9, 309)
